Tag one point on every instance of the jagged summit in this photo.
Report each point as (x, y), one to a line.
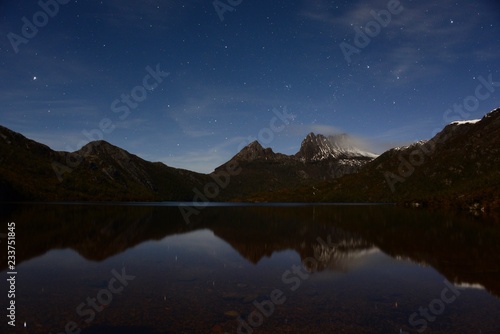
(493, 113)
(254, 145)
(463, 156)
(314, 148)
(317, 147)
(254, 151)
(319, 158)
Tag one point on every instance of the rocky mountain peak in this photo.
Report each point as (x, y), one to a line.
(493, 113)
(254, 151)
(102, 148)
(317, 147)
(255, 145)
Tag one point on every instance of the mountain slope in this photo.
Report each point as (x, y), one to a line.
(98, 171)
(262, 170)
(101, 171)
(339, 146)
(458, 167)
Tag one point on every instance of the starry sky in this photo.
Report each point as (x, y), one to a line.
(188, 83)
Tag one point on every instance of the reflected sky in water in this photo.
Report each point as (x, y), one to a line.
(350, 269)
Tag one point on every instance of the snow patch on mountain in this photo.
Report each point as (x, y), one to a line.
(405, 147)
(491, 113)
(471, 121)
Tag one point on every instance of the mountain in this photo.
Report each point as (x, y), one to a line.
(255, 151)
(264, 171)
(101, 171)
(457, 168)
(339, 146)
(98, 171)
(339, 152)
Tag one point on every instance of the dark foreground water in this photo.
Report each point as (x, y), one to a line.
(309, 269)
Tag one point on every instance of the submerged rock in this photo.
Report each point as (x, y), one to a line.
(232, 314)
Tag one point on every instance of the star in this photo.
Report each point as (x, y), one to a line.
(34, 78)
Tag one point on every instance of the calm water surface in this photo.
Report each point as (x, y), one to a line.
(308, 269)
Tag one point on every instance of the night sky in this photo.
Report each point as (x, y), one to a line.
(222, 75)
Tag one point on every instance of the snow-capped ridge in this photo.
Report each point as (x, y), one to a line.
(491, 113)
(415, 144)
(471, 121)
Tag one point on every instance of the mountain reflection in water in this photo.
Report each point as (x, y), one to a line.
(370, 267)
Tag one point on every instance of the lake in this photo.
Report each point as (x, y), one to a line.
(142, 268)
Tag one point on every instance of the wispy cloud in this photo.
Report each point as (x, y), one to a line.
(486, 54)
(376, 144)
(404, 134)
(205, 161)
(131, 123)
(415, 44)
(322, 129)
(213, 107)
(62, 140)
